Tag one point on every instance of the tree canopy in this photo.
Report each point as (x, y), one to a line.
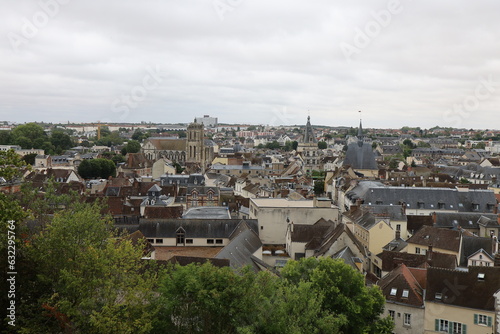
(97, 168)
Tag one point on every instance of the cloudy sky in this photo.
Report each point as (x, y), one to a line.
(403, 63)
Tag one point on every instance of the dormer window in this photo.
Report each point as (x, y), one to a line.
(181, 236)
(420, 205)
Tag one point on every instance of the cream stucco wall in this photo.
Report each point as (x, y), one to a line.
(461, 315)
(417, 318)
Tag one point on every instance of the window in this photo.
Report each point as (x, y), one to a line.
(180, 236)
(443, 325)
(438, 296)
(458, 328)
(218, 241)
(405, 293)
(417, 250)
(480, 276)
(189, 241)
(407, 319)
(420, 205)
(392, 314)
(159, 241)
(398, 227)
(151, 240)
(394, 291)
(441, 205)
(481, 319)
(210, 241)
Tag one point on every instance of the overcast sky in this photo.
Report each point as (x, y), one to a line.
(402, 63)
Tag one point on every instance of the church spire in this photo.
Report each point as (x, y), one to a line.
(360, 130)
(309, 134)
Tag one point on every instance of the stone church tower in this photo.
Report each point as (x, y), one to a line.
(195, 148)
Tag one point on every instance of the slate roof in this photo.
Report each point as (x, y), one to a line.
(244, 243)
(348, 256)
(334, 235)
(471, 245)
(466, 220)
(194, 228)
(393, 212)
(401, 278)
(464, 288)
(362, 217)
(360, 156)
(432, 198)
(207, 212)
(437, 237)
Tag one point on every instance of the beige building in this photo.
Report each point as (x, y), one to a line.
(462, 302)
(373, 232)
(439, 239)
(274, 214)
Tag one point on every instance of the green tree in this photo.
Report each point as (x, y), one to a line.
(61, 141)
(5, 138)
(207, 299)
(97, 168)
(31, 131)
(319, 187)
(295, 144)
(87, 280)
(274, 145)
(12, 166)
(322, 145)
(343, 289)
(133, 146)
(30, 158)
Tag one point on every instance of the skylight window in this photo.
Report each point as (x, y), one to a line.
(480, 276)
(405, 293)
(394, 291)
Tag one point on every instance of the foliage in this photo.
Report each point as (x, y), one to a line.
(96, 168)
(463, 180)
(319, 187)
(11, 165)
(207, 299)
(133, 146)
(76, 276)
(61, 141)
(274, 145)
(322, 145)
(139, 135)
(344, 291)
(110, 139)
(29, 158)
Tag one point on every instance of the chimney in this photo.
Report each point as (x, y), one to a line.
(429, 253)
(434, 217)
(398, 235)
(496, 263)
